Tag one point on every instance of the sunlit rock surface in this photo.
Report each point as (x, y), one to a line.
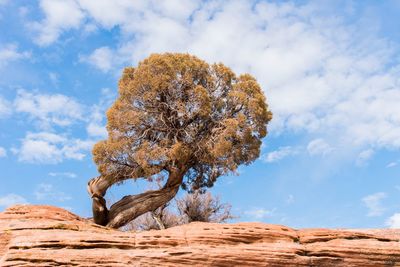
(50, 236)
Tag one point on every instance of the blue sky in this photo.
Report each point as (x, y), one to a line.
(331, 74)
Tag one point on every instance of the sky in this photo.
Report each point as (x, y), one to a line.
(330, 71)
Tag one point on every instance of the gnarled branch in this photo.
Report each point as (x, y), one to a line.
(97, 188)
(131, 207)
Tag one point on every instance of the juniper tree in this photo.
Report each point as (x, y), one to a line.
(179, 117)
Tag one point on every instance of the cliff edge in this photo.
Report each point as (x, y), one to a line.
(50, 236)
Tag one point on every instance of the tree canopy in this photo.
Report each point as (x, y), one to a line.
(177, 117)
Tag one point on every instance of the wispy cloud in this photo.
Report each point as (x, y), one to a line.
(3, 152)
(393, 221)
(63, 174)
(364, 156)
(49, 109)
(47, 192)
(392, 164)
(290, 199)
(50, 112)
(5, 107)
(59, 16)
(51, 148)
(319, 147)
(374, 205)
(11, 199)
(100, 58)
(96, 127)
(54, 78)
(258, 213)
(340, 82)
(281, 153)
(10, 52)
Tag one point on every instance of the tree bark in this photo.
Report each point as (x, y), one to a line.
(97, 188)
(100, 211)
(130, 207)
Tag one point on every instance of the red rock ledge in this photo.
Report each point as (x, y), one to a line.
(50, 236)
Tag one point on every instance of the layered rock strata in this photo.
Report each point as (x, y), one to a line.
(50, 236)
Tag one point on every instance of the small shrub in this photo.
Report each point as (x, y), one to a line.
(203, 207)
(193, 207)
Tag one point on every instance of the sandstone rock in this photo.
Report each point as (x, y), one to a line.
(49, 236)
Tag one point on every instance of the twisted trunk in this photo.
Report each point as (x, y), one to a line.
(130, 207)
(97, 188)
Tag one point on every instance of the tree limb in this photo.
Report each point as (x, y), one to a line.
(130, 207)
(97, 188)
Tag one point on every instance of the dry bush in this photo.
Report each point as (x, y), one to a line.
(193, 207)
(159, 219)
(203, 207)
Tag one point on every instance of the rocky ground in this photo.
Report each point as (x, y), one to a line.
(50, 236)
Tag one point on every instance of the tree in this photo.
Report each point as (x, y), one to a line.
(179, 117)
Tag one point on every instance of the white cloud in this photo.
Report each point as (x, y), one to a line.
(5, 107)
(394, 221)
(54, 78)
(89, 28)
(110, 14)
(11, 199)
(281, 153)
(50, 148)
(41, 148)
(373, 203)
(290, 199)
(96, 128)
(128, 14)
(258, 213)
(76, 148)
(364, 157)
(3, 152)
(319, 147)
(23, 11)
(101, 58)
(63, 174)
(60, 15)
(48, 109)
(47, 192)
(392, 164)
(10, 53)
(321, 75)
